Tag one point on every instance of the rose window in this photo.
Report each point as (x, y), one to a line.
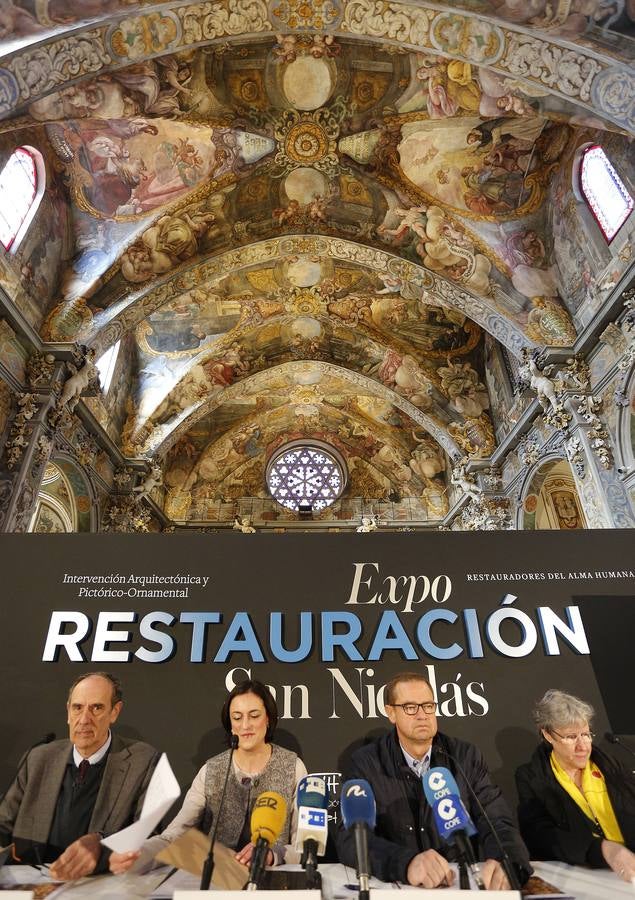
(305, 477)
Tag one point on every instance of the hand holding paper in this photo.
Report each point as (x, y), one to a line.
(162, 791)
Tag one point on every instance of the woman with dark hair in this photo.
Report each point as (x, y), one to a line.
(258, 765)
(576, 803)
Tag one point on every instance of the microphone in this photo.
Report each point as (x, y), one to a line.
(47, 739)
(312, 830)
(267, 821)
(451, 817)
(208, 868)
(613, 739)
(358, 812)
(506, 862)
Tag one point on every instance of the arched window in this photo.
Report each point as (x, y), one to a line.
(604, 191)
(106, 366)
(306, 477)
(21, 189)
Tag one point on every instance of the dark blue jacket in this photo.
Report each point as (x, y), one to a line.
(405, 824)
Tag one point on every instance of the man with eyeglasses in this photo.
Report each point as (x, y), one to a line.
(69, 794)
(405, 845)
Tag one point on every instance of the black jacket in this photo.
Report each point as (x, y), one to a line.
(405, 824)
(552, 823)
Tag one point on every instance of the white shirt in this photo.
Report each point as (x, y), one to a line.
(97, 756)
(418, 766)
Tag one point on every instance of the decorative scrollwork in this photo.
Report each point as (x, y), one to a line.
(19, 435)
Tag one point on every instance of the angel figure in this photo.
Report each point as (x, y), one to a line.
(243, 525)
(152, 480)
(77, 383)
(414, 219)
(460, 478)
(286, 48)
(540, 382)
(369, 523)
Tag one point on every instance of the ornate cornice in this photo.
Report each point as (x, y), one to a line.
(577, 73)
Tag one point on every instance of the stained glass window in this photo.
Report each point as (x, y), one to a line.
(18, 187)
(604, 191)
(305, 478)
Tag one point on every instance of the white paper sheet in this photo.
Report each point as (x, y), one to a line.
(179, 880)
(23, 875)
(162, 791)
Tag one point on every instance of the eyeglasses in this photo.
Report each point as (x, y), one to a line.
(572, 739)
(94, 709)
(411, 709)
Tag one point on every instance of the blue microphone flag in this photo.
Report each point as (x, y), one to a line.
(357, 803)
(442, 793)
(312, 792)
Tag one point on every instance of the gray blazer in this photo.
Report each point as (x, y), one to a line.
(28, 807)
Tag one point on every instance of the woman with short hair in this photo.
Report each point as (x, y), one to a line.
(576, 803)
(258, 765)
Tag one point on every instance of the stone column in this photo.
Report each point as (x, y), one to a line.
(586, 441)
(29, 443)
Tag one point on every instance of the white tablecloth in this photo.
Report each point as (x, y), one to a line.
(583, 884)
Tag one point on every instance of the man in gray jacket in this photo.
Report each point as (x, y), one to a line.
(69, 794)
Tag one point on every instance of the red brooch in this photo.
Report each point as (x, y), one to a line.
(596, 774)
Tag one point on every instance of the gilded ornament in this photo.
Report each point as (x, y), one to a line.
(472, 39)
(304, 14)
(141, 36)
(306, 303)
(550, 323)
(306, 143)
(474, 436)
(309, 139)
(68, 321)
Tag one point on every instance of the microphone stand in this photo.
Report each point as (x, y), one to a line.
(464, 881)
(309, 863)
(257, 864)
(361, 849)
(506, 862)
(467, 858)
(208, 868)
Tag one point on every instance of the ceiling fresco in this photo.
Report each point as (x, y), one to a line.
(303, 219)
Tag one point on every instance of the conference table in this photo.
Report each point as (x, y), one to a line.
(337, 882)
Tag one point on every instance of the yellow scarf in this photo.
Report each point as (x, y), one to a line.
(593, 799)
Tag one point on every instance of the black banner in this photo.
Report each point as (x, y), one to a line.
(492, 620)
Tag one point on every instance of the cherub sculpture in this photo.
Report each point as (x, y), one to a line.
(369, 523)
(460, 478)
(77, 383)
(152, 480)
(544, 387)
(243, 525)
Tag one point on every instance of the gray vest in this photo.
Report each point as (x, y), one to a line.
(278, 775)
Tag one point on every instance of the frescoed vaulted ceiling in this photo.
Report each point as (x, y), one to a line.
(314, 220)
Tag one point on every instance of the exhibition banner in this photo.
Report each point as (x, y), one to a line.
(492, 619)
